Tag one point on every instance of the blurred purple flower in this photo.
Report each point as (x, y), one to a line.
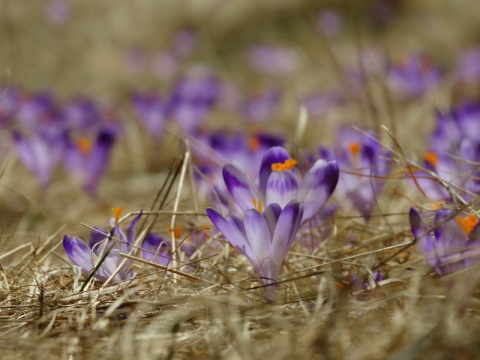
(184, 43)
(329, 23)
(58, 12)
(413, 76)
(468, 67)
(135, 61)
(363, 165)
(318, 104)
(164, 65)
(273, 60)
(261, 106)
(88, 160)
(451, 244)
(9, 104)
(279, 182)
(81, 114)
(102, 242)
(263, 237)
(152, 112)
(41, 152)
(192, 99)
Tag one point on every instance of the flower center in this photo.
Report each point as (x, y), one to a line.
(176, 231)
(354, 148)
(117, 212)
(257, 204)
(467, 223)
(431, 158)
(287, 165)
(84, 145)
(254, 143)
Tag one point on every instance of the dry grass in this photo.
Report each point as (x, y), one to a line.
(214, 307)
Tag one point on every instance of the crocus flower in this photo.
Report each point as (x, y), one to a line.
(273, 60)
(88, 160)
(41, 152)
(100, 243)
(468, 67)
(280, 182)
(263, 237)
(152, 112)
(261, 106)
(329, 23)
(58, 12)
(412, 76)
(157, 249)
(184, 43)
(363, 165)
(81, 114)
(451, 244)
(192, 99)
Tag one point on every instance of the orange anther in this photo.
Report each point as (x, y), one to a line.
(258, 205)
(431, 157)
(287, 165)
(354, 148)
(467, 223)
(254, 143)
(84, 145)
(117, 212)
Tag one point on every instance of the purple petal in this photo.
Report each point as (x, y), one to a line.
(421, 233)
(284, 235)
(274, 155)
(229, 227)
(271, 214)
(282, 187)
(97, 236)
(258, 234)
(240, 187)
(317, 186)
(79, 253)
(131, 229)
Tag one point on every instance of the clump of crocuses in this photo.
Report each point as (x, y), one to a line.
(451, 243)
(103, 251)
(273, 205)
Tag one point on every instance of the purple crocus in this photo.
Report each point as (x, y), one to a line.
(103, 242)
(263, 237)
(413, 76)
(468, 68)
(329, 23)
(280, 182)
(41, 152)
(192, 99)
(363, 165)
(88, 160)
(273, 60)
(451, 244)
(159, 250)
(261, 106)
(152, 112)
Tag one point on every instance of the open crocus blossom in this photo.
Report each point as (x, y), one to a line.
(279, 182)
(451, 244)
(364, 167)
(88, 160)
(263, 237)
(103, 243)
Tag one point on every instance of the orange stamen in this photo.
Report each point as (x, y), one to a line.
(176, 232)
(117, 212)
(254, 143)
(287, 165)
(354, 148)
(258, 205)
(84, 145)
(467, 223)
(438, 205)
(431, 157)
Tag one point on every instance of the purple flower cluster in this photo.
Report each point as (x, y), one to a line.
(451, 244)
(364, 167)
(271, 207)
(105, 248)
(78, 134)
